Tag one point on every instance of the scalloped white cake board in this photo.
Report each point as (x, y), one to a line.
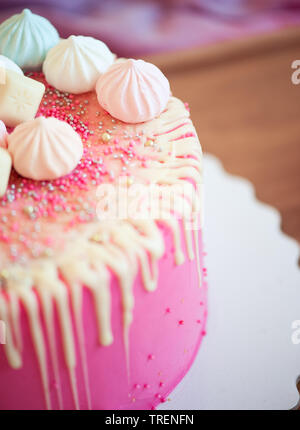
(248, 359)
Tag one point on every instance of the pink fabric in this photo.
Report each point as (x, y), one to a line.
(134, 27)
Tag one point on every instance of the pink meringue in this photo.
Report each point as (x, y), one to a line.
(133, 91)
(3, 135)
(44, 149)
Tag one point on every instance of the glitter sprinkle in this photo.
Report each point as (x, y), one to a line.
(106, 137)
(111, 150)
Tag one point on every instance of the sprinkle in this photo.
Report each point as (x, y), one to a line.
(130, 180)
(28, 210)
(28, 205)
(97, 238)
(106, 137)
(4, 274)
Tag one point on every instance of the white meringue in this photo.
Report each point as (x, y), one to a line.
(10, 65)
(75, 64)
(3, 135)
(133, 91)
(5, 169)
(45, 148)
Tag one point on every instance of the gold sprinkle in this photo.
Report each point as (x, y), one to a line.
(4, 274)
(28, 210)
(96, 238)
(106, 137)
(48, 252)
(129, 180)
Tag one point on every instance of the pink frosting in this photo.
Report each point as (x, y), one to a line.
(3, 135)
(167, 329)
(45, 148)
(133, 91)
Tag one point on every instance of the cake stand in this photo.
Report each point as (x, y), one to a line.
(250, 358)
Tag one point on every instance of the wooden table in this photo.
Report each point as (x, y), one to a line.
(247, 112)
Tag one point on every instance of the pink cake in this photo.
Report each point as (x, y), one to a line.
(102, 310)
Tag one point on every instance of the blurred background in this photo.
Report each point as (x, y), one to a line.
(231, 60)
(139, 27)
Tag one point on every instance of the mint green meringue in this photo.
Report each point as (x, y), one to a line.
(26, 38)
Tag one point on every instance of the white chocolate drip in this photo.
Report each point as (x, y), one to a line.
(121, 247)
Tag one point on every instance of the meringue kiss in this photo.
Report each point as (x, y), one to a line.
(75, 64)
(3, 135)
(26, 38)
(133, 91)
(44, 149)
